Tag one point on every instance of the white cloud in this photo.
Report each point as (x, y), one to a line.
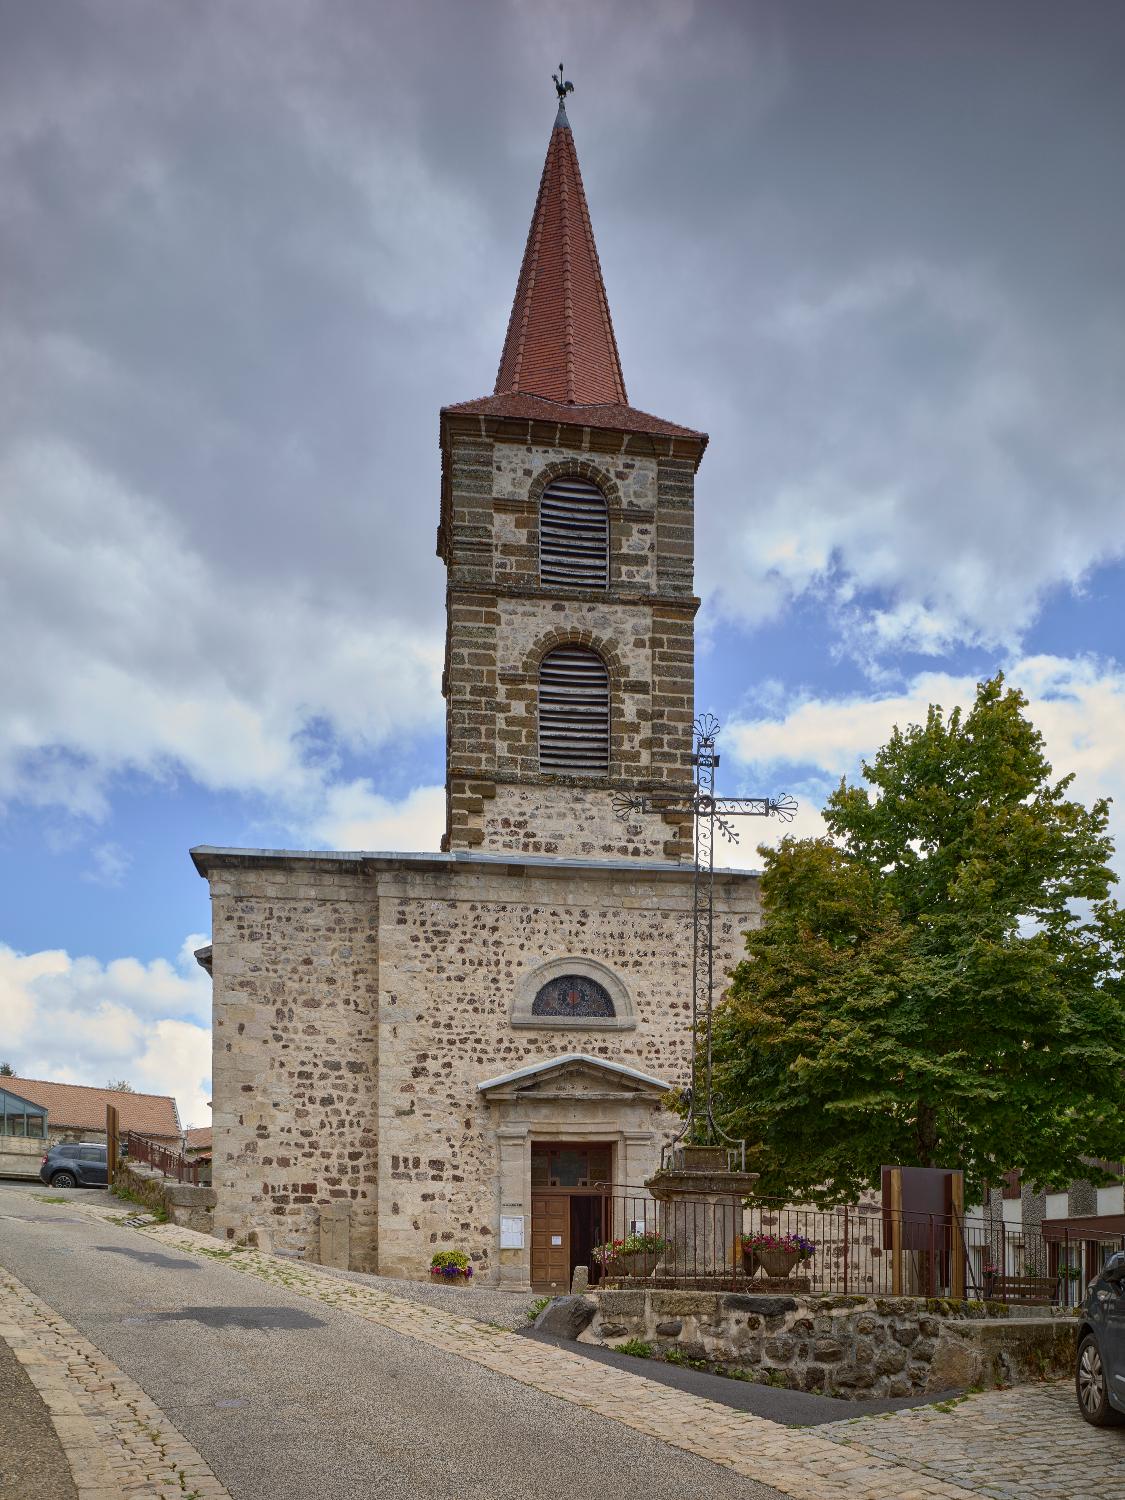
(1078, 704)
(75, 1020)
(109, 864)
(355, 816)
(137, 654)
(929, 458)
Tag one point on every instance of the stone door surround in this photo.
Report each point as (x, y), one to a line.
(570, 1098)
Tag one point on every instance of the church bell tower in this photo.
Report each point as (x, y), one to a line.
(567, 531)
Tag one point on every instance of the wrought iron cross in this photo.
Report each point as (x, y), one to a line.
(707, 812)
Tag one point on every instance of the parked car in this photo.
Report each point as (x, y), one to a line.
(75, 1164)
(1099, 1376)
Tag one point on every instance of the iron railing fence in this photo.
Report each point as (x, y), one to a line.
(171, 1163)
(764, 1245)
(1075, 1257)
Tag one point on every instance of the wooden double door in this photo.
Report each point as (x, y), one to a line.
(569, 1184)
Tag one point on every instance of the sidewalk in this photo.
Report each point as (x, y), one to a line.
(115, 1443)
(33, 1462)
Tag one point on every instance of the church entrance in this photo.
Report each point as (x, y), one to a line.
(568, 1181)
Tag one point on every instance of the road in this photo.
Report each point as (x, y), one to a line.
(287, 1397)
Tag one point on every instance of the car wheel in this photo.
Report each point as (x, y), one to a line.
(1089, 1382)
(64, 1180)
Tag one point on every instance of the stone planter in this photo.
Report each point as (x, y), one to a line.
(776, 1263)
(641, 1264)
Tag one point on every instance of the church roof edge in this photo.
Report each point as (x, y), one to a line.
(601, 1063)
(205, 856)
(605, 416)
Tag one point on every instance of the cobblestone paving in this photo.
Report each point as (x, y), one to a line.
(486, 1303)
(120, 1446)
(1012, 1445)
(1019, 1444)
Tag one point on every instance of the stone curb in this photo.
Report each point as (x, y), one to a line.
(89, 1468)
(118, 1443)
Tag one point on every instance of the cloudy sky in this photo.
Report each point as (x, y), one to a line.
(248, 249)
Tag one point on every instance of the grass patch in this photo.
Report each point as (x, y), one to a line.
(229, 1253)
(676, 1356)
(48, 1198)
(638, 1348)
(159, 1213)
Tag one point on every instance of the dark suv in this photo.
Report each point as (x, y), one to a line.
(1100, 1373)
(75, 1164)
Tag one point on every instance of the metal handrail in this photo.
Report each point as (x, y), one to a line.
(170, 1163)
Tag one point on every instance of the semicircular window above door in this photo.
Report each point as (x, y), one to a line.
(573, 995)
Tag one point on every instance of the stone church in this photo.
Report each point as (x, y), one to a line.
(416, 1052)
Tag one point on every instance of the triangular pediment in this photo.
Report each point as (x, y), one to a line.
(574, 1076)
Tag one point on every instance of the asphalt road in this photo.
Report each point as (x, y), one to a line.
(287, 1398)
(33, 1465)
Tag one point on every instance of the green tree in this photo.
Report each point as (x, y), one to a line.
(939, 982)
(6, 1070)
(120, 1086)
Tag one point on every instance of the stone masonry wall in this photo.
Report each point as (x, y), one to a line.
(549, 820)
(501, 621)
(854, 1347)
(453, 950)
(295, 978)
(357, 1006)
(22, 1156)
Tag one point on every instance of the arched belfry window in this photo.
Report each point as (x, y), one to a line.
(573, 711)
(573, 535)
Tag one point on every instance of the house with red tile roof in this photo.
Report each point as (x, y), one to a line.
(76, 1112)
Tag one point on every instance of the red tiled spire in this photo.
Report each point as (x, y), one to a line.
(560, 343)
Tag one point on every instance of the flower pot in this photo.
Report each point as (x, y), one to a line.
(749, 1262)
(778, 1262)
(640, 1264)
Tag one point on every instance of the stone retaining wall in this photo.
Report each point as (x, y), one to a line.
(21, 1155)
(854, 1347)
(183, 1202)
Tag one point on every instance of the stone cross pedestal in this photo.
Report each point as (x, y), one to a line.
(701, 1212)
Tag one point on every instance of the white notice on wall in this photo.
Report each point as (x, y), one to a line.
(511, 1231)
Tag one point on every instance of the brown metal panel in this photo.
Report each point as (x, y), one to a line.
(1096, 1225)
(895, 1189)
(957, 1238)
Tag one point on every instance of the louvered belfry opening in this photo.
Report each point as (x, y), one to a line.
(573, 535)
(573, 712)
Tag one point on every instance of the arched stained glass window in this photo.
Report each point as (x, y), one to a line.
(575, 996)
